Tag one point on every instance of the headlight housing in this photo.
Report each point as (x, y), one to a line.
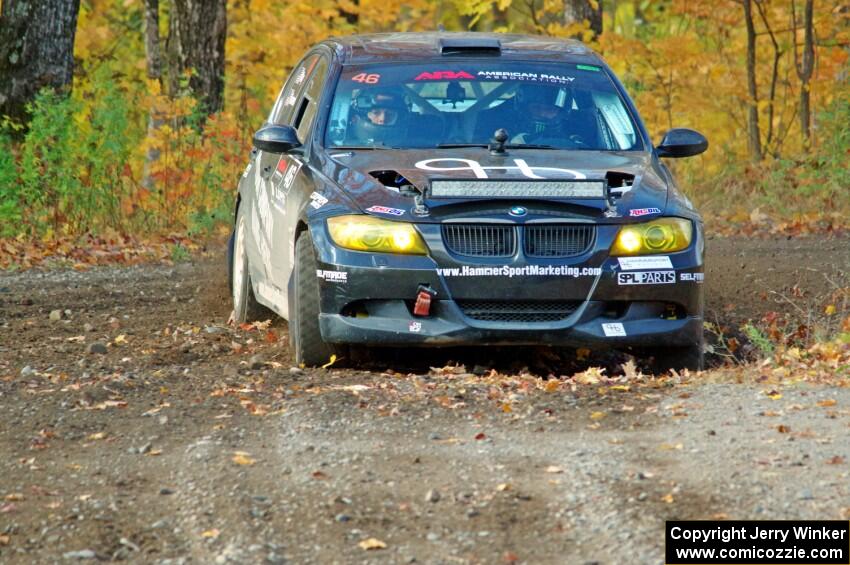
(365, 233)
(663, 235)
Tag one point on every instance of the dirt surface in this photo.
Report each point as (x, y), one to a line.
(136, 425)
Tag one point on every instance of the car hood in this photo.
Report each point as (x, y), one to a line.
(365, 176)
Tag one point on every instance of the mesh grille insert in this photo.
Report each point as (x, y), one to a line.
(480, 240)
(518, 311)
(557, 240)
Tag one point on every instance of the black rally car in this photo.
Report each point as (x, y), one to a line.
(434, 189)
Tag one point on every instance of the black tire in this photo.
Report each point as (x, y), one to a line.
(245, 305)
(305, 336)
(690, 357)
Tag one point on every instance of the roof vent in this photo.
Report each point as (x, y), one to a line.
(462, 46)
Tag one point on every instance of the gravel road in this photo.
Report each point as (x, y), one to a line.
(136, 425)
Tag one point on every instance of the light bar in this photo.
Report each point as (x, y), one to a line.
(484, 188)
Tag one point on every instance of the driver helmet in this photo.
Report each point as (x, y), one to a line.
(379, 114)
(540, 103)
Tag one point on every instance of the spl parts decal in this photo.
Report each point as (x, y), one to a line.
(524, 271)
(614, 329)
(692, 277)
(637, 212)
(646, 277)
(317, 200)
(289, 176)
(480, 171)
(385, 210)
(645, 262)
(332, 276)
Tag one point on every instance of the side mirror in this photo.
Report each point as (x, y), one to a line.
(276, 139)
(682, 142)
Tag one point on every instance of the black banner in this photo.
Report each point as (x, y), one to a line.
(756, 542)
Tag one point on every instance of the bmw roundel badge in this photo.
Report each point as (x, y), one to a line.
(518, 211)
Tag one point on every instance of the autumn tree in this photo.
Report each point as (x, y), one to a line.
(580, 11)
(804, 67)
(196, 37)
(753, 132)
(36, 50)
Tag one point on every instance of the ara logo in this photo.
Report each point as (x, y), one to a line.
(444, 75)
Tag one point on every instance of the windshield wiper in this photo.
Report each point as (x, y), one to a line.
(529, 146)
(459, 145)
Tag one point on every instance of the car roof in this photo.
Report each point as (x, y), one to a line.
(413, 46)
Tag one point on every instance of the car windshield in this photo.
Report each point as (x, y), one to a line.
(462, 103)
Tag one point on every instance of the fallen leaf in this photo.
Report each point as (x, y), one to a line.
(598, 415)
(836, 460)
(121, 339)
(330, 362)
(213, 533)
(319, 475)
(774, 395)
(829, 310)
(372, 543)
(554, 469)
(506, 407)
(668, 498)
(503, 487)
(828, 402)
(510, 557)
(4, 540)
(783, 429)
(552, 385)
(670, 446)
(242, 458)
(14, 497)
(480, 435)
(98, 435)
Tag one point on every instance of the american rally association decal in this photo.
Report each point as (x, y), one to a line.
(646, 277)
(524, 271)
(613, 330)
(332, 276)
(647, 262)
(385, 210)
(637, 212)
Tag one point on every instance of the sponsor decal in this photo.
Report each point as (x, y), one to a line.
(645, 262)
(367, 79)
(332, 276)
(302, 74)
(317, 200)
(385, 210)
(282, 165)
(480, 171)
(529, 77)
(445, 75)
(646, 277)
(692, 277)
(415, 327)
(290, 100)
(614, 330)
(588, 68)
(290, 175)
(524, 271)
(637, 212)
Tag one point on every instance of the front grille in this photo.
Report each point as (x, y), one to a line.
(557, 240)
(518, 311)
(480, 240)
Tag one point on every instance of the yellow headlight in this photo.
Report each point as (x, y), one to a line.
(365, 233)
(664, 235)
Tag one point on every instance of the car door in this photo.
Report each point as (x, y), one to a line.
(267, 207)
(295, 182)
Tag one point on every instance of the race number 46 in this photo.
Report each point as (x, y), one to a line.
(368, 79)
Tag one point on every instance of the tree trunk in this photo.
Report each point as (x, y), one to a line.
(577, 11)
(195, 43)
(152, 55)
(36, 50)
(805, 69)
(753, 134)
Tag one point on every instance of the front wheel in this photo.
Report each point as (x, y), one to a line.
(690, 357)
(245, 305)
(306, 337)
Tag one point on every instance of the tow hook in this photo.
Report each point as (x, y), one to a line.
(424, 295)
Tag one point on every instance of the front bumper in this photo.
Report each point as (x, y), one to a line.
(368, 298)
